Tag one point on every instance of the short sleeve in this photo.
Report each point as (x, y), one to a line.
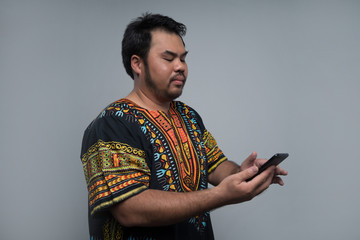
(114, 162)
(214, 154)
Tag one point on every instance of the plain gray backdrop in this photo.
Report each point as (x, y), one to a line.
(266, 76)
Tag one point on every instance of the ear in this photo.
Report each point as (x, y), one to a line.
(136, 64)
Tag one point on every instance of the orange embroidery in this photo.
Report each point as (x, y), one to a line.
(116, 160)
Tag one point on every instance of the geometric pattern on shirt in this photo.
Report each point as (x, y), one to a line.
(181, 157)
(110, 167)
(181, 152)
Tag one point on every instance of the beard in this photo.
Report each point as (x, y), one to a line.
(162, 94)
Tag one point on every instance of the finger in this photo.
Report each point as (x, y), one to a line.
(251, 158)
(248, 173)
(259, 162)
(280, 171)
(277, 180)
(265, 178)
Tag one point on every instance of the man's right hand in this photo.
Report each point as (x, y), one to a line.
(235, 189)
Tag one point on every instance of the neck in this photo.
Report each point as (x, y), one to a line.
(149, 103)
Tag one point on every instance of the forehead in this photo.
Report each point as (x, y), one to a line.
(164, 41)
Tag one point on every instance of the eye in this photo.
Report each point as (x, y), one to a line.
(168, 59)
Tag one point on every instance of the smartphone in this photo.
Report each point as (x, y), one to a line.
(273, 161)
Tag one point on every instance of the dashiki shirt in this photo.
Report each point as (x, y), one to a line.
(128, 149)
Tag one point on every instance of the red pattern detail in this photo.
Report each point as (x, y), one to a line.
(116, 160)
(112, 180)
(183, 135)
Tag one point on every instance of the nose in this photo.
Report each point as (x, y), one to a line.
(180, 66)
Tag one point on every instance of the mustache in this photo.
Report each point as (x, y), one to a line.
(180, 75)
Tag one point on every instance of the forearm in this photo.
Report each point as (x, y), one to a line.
(224, 170)
(158, 208)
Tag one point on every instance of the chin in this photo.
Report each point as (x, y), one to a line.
(173, 96)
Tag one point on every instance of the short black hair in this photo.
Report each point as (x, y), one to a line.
(137, 36)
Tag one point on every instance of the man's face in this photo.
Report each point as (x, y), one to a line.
(165, 68)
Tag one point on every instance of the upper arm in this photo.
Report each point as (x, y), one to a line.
(126, 211)
(115, 167)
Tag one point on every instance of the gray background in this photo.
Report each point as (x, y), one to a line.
(266, 76)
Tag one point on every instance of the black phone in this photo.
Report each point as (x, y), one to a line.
(273, 161)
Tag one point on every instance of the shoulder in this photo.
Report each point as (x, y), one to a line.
(119, 121)
(111, 110)
(121, 110)
(117, 108)
(114, 117)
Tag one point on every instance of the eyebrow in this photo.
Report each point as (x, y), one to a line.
(173, 54)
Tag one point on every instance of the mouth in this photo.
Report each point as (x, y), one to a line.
(178, 79)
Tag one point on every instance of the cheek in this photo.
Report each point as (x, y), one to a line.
(161, 71)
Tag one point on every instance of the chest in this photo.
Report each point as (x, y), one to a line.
(178, 155)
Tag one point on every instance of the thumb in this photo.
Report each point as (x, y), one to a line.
(249, 173)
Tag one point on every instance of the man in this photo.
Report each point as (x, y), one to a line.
(148, 159)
